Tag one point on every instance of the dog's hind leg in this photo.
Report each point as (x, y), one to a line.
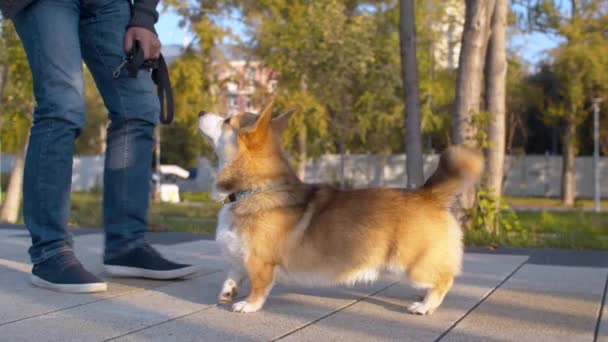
(231, 286)
(434, 297)
(261, 279)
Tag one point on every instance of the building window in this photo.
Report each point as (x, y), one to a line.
(272, 85)
(232, 87)
(231, 99)
(250, 74)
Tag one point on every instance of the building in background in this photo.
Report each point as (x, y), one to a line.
(241, 84)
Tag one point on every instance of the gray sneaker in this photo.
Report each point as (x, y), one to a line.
(145, 262)
(64, 273)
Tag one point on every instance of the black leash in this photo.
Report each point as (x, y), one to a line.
(134, 61)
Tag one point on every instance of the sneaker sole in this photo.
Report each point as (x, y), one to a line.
(134, 272)
(69, 288)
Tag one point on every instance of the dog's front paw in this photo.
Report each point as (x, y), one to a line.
(227, 296)
(419, 309)
(246, 307)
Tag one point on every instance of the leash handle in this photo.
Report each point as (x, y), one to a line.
(160, 76)
(134, 61)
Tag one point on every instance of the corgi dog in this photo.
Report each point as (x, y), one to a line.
(274, 224)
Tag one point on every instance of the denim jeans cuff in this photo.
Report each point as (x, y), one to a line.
(125, 248)
(45, 255)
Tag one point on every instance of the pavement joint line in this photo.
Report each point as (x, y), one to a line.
(104, 298)
(335, 312)
(170, 320)
(483, 299)
(596, 333)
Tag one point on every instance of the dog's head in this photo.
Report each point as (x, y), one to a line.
(248, 148)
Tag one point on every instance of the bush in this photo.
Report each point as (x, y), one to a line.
(4, 181)
(490, 222)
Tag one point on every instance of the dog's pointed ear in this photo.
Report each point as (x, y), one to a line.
(282, 121)
(263, 121)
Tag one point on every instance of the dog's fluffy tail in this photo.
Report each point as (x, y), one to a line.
(459, 167)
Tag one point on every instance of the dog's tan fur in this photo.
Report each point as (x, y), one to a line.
(321, 235)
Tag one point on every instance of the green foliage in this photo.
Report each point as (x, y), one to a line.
(491, 224)
(578, 68)
(181, 142)
(492, 215)
(318, 49)
(309, 114)
(193, 82)
(16, 100)
(481, 120)
(345, 56)
(197, 217)
(337, 63)
(92, 136)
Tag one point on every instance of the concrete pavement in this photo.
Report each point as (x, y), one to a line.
(506, 295)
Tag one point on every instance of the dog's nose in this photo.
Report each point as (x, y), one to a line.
(202, 112)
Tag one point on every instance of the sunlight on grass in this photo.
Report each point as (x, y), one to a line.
(197, 215)
(568, 229)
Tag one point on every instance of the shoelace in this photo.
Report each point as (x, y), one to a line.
(135, 61)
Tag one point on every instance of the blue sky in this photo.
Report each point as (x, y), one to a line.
(170, 33)
(168, 29)
(531, 46)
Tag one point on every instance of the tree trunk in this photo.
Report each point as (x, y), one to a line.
(469, 79)
(303, 138)
(10, 208)
(470, 70)
(342, 148)
(496, 78)
(3, 79)
(568, 166)
(302, 153)
(570, 144)
(411, 112)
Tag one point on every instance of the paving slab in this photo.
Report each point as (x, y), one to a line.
(539, 303)
(504, 295)
(116, 316)
(602, 328)
(287, 309)
(383, 316)
(569, 257)
(10, 245)
(100, 320)
(20, 300)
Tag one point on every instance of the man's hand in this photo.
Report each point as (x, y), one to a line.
(147, 39)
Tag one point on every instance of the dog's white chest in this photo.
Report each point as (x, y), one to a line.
(227, 236)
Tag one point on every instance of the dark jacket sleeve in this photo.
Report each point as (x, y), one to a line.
(144, 14)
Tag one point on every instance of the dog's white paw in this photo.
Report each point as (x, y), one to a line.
(229, 292)
(246, 307)
(419, 308)
(227, 296)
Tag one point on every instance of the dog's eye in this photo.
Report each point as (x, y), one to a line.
(226, 121)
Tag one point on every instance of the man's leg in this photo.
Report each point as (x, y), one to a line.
(134, 111)
(49, 32)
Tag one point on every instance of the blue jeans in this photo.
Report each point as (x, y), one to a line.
(57, 36)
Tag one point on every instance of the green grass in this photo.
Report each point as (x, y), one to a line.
(197, 215)
(549, 203)
(550, 229)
